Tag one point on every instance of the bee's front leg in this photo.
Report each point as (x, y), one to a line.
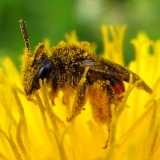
(79, 102)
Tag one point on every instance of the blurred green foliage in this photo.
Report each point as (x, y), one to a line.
(53, 18)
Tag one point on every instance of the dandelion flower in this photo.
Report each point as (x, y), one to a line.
(35, 130)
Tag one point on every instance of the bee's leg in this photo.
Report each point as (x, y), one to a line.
(109, 91)
(79, 102)
(108, 139)
(101, 96)
(111, 97)
(54, 91)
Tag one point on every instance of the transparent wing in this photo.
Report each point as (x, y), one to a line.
(113, 70)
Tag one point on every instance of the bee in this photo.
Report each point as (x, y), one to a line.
(73, 68)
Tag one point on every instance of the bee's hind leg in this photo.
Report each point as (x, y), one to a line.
(79, 102)
(102, 96)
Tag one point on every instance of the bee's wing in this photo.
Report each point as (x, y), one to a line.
(114, 70)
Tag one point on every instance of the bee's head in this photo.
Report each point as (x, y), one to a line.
(35, 66)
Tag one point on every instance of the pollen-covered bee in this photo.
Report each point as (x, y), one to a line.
(73, 67)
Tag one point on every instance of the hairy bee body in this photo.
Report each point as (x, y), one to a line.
(73, 67)
(64, 68)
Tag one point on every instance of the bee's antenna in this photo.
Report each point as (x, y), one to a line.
(24, 33)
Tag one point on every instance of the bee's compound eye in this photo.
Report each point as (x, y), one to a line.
(43, 73)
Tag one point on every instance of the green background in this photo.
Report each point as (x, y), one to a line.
(53, 18)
